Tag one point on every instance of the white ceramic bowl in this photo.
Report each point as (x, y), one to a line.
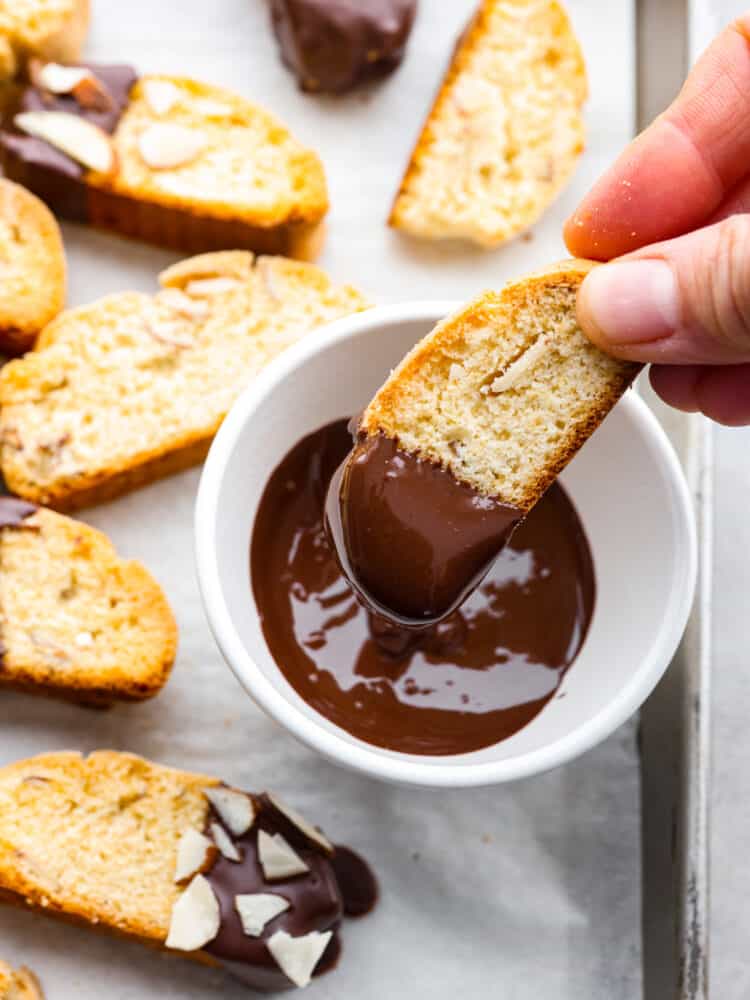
(626, 483)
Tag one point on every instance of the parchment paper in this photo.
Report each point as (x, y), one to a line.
(520, 892)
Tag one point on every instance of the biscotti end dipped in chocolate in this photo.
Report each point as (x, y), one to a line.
(464, 438)
(77, 622)
(505, 132)
(133, 387)
(19, 984)
(41, 29)
(168, 160)
(333, 45)
(32, 268)
(179, 861)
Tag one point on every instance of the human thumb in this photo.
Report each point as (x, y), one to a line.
(686, 301)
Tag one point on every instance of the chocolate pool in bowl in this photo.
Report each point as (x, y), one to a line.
(627, 488)
(469, 682)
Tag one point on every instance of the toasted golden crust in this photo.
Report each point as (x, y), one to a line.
(76, 621)
(505, 131)
(505, 391)
(47, 29)
(134, 387)
(19, 984)
(32, 268)
(111, 863)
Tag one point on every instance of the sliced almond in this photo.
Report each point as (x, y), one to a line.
(211, 109)
(87, 144)
(207, 287)
(164, 145)
(91, 93)
(278, 859)
(160, 95)
(256, 909)
(58, 79)
(520, 367)
(224, 842)
(195, 853)
(236, 810)
(181, 303)
(196, 917)
(301, 823)
(298, 956)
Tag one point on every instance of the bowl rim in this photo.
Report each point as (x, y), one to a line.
(372, 761)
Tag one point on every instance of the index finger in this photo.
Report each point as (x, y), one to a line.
(675, 175)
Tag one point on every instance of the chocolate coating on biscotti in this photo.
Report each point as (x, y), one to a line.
(317, 899)
(332, 45)
(54, 177)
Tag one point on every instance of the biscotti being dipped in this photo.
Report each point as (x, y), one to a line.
(505, 132)
(169, 160)
(46, 29)
(134, 386)
(179, 861)
(32, 268)
(76, 621)
(18, 984)
(464, 438)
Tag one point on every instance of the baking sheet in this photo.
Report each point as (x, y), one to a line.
(521, 892)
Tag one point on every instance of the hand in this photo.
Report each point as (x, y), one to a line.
(682, 304)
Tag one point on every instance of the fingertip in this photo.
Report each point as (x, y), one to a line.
(676, 385)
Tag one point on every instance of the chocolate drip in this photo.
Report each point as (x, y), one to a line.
(13, 512)
(54, 177)
(412, 540)
(332, 45)
(317, 898)
(468, 682)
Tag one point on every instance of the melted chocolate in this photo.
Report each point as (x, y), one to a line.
(383, 501)
(318, 899)
(332, 45)
(54, 177)
(13, 512)
(468, 682)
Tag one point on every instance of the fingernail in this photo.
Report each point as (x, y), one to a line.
(631, 302)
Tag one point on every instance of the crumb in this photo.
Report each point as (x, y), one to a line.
(527, 237)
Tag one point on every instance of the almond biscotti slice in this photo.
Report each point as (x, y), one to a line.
(18, 984)
(505, 132)
(166, 159)
(32, 268)
(134, 386)
(504, 392)
(174, 859)
(46, 29)
(76, 621)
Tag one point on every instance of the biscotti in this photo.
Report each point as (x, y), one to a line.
(45, 29)
(505, 131)
(505, 391)
(175, 860)
(134, 386)
(165, 159)
(18, 984)
(32, 268)
(76, 621)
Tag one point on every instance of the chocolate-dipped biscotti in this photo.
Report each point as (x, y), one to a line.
(76, 621)
(43, 29)
(333, 45)
(169, 160)
(462, 440)
(505, 132)
(134, 386)
(32, 268)
(18, 984)
(179, 861)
